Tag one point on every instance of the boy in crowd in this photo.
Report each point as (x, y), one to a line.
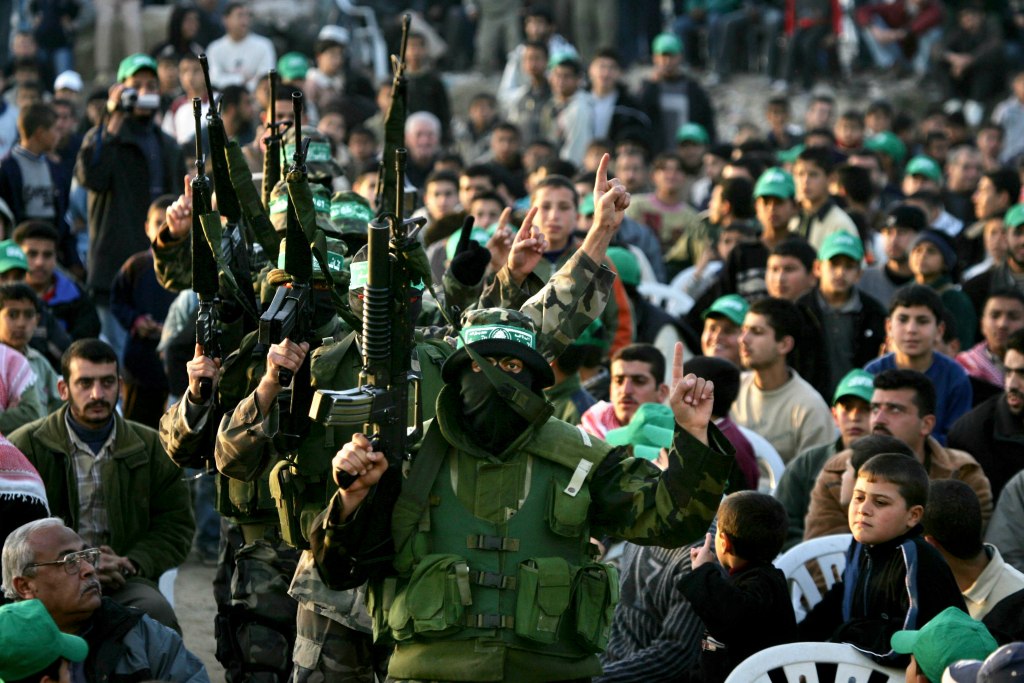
(952, 524)
(852, 323)
(1001, 317)
(901, 226)
(19, 317)
(820, 215)
(913, 325)
(740, 593)
(60, 294)
(774, 400)
(932, 259)
(666, 211)
(893, 579)
(722, 322)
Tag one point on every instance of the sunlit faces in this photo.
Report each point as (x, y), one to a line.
(837, 275)
(1001, 317)
(774, 213)
(878, 512)
(556, 215)
(1013, 362)
(440, 198)
(988, 200)
(18, 322)
(633, 384)
(894, 413)
(786, 277)
(91, 391)
(42, 261)
(759, 347)
(913, 330)
(927, 262)
(811, 182)
(853, 418)
(720, 338)
(896, 241)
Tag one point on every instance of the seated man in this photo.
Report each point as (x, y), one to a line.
(774, 400)
(1002, 315)
(952, 524)
(638, 376)
(112, 481)
(903, 406)
(47, 561)
(995, 429)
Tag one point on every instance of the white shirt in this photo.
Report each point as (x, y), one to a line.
(240, 63)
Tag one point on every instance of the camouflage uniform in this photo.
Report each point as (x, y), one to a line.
(448, 633)
(333, 628)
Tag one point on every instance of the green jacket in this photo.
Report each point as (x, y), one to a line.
(148, 504)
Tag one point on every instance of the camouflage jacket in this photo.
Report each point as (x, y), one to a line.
(184, 432)
(173, 264)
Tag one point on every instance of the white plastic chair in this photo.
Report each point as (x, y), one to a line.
(672, 300)
(769, 462)
(827, 554)
(797, 663)
(166, 584)
(368, 44)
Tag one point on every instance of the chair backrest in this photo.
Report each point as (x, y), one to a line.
(812, 663)
(672, 300)
(812, 567)
(769, 462)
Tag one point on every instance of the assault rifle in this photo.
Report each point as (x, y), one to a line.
(204, 265)
(380, 404)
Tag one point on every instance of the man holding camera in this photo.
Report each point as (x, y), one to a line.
(125, 163)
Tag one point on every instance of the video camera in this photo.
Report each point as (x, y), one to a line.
(131, 100)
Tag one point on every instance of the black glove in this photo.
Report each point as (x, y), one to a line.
(470, 260)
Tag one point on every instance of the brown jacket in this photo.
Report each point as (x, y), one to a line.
(826, 515)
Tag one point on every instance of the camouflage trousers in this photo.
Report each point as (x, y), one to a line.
(255, 623)
(326, 651)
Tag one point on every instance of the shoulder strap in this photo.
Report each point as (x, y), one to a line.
(424, 470)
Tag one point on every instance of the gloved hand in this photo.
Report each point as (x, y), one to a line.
(471, 259)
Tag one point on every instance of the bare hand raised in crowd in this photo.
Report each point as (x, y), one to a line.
(179, 214)
(113, 570)
(528, 248)
(610, 198)
(500, 243)
(201, 366)
(691, 399)
(358, 458)
(704, 554)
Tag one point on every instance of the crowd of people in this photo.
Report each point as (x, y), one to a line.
(652, 304)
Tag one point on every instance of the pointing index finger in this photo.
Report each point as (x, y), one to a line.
(677, 364)
(601, 181)
(526, 229)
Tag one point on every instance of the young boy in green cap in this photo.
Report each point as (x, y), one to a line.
(34, 650)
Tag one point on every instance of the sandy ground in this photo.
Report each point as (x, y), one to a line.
(193, 603)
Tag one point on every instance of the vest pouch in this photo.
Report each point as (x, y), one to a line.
(434, 601)
(543, 593)
(568, 515)
(595, 594)
(287, 490)
(380, 596)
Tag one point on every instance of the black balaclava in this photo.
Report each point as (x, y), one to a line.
(493, 423)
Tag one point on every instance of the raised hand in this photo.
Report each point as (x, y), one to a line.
(500, 243)
(179, 214)
(358, 458)
(610, 198)
(691, 399)
(198, 368)
(528, 248)
(704, 554)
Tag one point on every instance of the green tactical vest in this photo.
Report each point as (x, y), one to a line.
(527, 582)
(302, 488)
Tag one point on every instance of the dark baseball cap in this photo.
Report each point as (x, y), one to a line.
(906, 216)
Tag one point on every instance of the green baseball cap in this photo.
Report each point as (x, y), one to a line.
(731, 306)
(592, 335)
(565, 56)
(926, 166)
(950, 636)
(626, 265)
(857, 382)
(292, 65)
(889, 144)
(1014, 216)
(667, 44)
(841, 244)
(788, 156)
(692, 132)
(499, 332)
(32, 641)
(11, 257)
(775, 182)
(650, 430)
(134, 63)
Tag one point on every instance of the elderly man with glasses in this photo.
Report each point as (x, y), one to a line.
(48, 561)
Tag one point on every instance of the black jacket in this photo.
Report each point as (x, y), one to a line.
(995, 437)
(700, 109)
(743, 613)
(114, 170)
(105, 636)
(900, 584)
(869, 327)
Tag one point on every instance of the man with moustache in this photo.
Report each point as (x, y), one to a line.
(110, 479)
(995, 429)
(902, 405)
(46, 561)
(1002, 275)
(637, 377)
(901, 226)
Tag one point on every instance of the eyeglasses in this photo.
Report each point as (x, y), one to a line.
(72, 561)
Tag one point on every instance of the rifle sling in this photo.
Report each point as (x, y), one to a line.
(249, 201)
(212, 231)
